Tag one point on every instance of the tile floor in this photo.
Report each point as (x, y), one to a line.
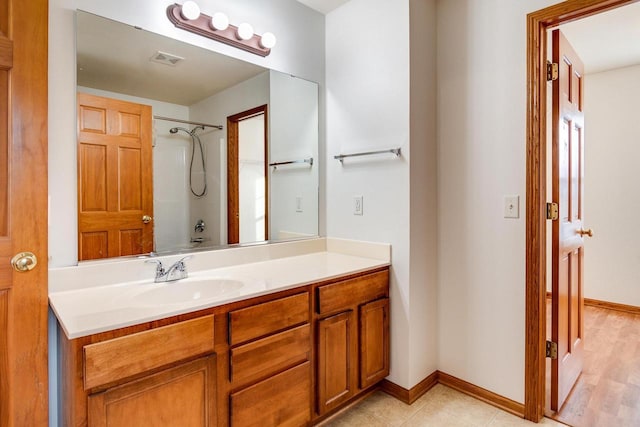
(439, 407)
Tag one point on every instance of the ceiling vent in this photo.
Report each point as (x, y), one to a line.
(166, 58)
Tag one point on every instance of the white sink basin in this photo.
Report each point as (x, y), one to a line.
(190, 290)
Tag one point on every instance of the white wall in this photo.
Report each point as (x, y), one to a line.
(170, 186)
(293, 135)
(242, 97)
(368, 108)
(481, 157)
(612, 197)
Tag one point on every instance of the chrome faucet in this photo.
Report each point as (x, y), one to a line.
(176, 272)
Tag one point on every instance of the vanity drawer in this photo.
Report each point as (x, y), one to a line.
(109, 361)
(344, 295)
(264, 319)
(266, 356)
(282, 400)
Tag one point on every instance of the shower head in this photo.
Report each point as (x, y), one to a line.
(190, 132)
(173, 130)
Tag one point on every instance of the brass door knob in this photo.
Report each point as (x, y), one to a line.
(588, 232)
(146, 219)
(24, 261)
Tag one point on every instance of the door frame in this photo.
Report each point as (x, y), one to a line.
(538, 23)
(233, 184)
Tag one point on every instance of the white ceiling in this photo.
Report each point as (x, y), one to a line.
(323, 6)
(115, 57)
(607, 40)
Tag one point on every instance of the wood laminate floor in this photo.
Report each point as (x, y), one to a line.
(607, 394)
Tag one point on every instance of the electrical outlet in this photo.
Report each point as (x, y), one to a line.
(512, 206)
(298, 204)
(357, 205)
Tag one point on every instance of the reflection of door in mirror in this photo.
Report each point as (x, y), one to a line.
(115, 203)
(247, 182)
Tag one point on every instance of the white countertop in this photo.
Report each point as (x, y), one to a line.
(102, 305)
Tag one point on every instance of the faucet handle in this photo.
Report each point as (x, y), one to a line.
(159, 266)
(180, 265)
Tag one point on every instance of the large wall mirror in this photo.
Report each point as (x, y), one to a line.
(182, 148)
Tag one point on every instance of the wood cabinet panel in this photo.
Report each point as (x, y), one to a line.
(261, 358)
(119, 358)
(334, 358)
(374, 342)
(343, 295)
(282, 400)
(264, 319)
(180, 396)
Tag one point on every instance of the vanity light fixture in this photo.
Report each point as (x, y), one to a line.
(189, 18)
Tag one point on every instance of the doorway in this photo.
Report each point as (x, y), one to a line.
(538, 23)
(247, 176)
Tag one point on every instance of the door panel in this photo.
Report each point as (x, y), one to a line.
(114, 178)
(23, 212)
(334, 378)
(567, 247)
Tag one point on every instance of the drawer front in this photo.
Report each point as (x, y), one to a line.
(264, 357)
(264, 319)
(123, 357)
(344, 295)
(282, 400)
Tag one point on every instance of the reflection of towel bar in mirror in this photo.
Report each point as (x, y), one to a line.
(189, 122)
(291, 162)
(395, 151)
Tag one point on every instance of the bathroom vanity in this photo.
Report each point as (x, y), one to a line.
(312, 339)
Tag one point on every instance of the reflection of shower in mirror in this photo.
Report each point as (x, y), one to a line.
(194, 137)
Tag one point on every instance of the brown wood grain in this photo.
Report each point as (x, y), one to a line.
(274, 316)
(535, 333)
(335, 361)
(183, 395)
(5, 390)
(119, 358)
(345, 294)
(4, 153)
(374, 342)
(282, 400)
(6, 53)
(631, 309)
(115, 182)
(413, 394)
(26, 25)
(267, 356)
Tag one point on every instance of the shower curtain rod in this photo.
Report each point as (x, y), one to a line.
(169, 119)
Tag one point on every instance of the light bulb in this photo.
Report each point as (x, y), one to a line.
(245, 31)
(219, 21)
(190, 10)
(268, 40)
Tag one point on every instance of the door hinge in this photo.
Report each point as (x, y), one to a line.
(552, 71)
(552, 211)
(552, 349)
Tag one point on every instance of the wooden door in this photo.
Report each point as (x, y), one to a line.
(115, 179)
(23, 212)
(234, 216)
(567, 247)
(184, 395)
(335, 361)
(374, 342)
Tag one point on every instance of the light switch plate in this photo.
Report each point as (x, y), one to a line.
(298, 204)
(512, 206)
(357, 205)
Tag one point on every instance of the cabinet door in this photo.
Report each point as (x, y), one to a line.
(374, 342)
(335, 361)
(180, 396)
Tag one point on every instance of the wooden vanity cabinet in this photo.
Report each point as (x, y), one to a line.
(285, 359)
(352, 348)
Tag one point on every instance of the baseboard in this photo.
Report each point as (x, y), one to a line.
(480, 393)
(410, 396)
(612, 306)
(438, 377)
